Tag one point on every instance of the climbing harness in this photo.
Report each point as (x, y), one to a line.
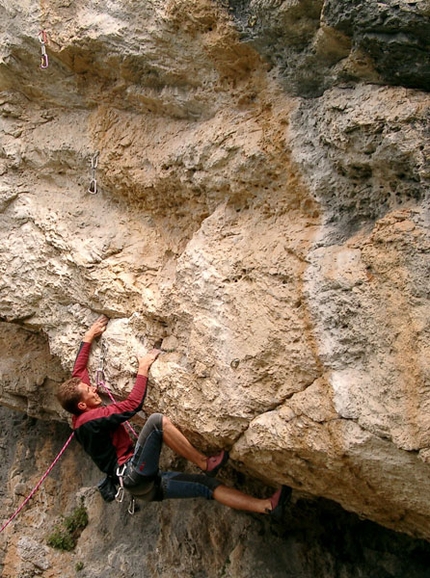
(39, 483)
(43, 39)
(92, 189)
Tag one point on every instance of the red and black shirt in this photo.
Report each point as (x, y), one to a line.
(101, 430)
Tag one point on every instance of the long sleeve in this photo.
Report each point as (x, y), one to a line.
(80, 367)
(100, 430)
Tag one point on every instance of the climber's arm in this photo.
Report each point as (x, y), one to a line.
(81, 361)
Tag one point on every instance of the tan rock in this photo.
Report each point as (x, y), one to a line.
(277, 244)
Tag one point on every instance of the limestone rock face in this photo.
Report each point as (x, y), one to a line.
(247, 181)
(316, 44)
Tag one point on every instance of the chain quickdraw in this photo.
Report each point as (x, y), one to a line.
(100, 382)
(100, 374)
(43, 39)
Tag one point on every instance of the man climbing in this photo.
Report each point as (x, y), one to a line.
(101, 432)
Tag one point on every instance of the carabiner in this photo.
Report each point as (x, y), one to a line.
(120, 472)
(44, 62)
(132, 507)
(93, 187)
(43, 39)
(100, 377)
(119, 496)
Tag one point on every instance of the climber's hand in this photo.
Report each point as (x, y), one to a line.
(96, 329)
(147, 360)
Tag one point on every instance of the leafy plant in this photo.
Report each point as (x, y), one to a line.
(66, 534)
(78, 520)
(61, 540)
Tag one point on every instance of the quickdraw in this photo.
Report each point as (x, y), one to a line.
(92, 189)
(120, 473)
(119, 497)
(100, 374)
(43, 39)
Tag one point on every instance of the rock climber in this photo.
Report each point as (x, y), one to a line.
(101, 432)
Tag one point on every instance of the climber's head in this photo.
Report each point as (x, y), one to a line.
(76, 397)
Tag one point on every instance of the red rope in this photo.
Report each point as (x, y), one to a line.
(61, 452)
(39, 483)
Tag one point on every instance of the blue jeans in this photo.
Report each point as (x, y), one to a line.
(174, 485)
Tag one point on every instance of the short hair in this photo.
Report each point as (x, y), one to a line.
(69, 395)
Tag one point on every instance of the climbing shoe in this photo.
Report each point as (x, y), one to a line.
(278, 502)
(215, 463)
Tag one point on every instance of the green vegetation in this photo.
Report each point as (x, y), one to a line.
(65, 535)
